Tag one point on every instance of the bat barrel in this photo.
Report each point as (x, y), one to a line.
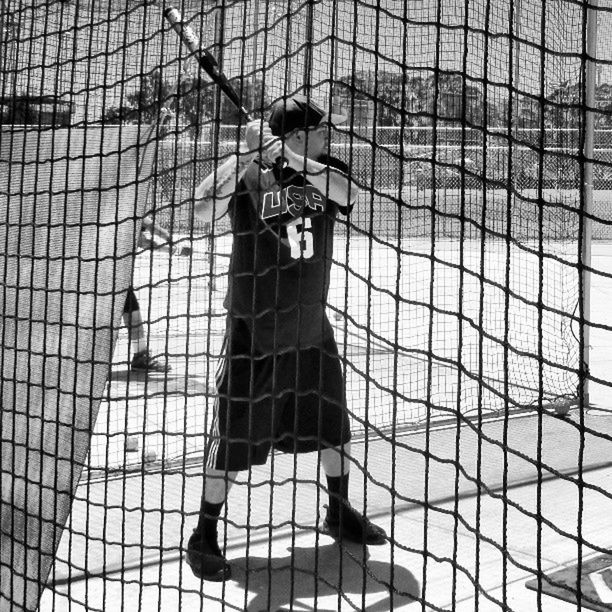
(187, 35)
(206, 61)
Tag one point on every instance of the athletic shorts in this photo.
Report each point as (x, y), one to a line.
(293, 402)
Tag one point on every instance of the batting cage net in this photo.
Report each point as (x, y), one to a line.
(469, 294)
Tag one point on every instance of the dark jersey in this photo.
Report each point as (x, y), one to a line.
(281, 257)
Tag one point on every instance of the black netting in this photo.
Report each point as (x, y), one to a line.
(468, 296)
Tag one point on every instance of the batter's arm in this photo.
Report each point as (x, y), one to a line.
(330, 181)
(213, 194)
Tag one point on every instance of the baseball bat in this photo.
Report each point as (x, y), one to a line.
(205, 59)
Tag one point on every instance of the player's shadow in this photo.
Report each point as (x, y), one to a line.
(315, 577)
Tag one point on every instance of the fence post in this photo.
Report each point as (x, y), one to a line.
(587, 204)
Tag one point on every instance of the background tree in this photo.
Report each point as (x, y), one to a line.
(145, 103)
(603, 102)
(383, 92)
(193, 100)
(564, 106)
(458, 101)
(402, 99)
(254, 97)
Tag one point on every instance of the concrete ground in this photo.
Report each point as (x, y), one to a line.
(451, 546)
(475, 512)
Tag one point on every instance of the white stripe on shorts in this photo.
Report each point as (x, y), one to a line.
(214, 441)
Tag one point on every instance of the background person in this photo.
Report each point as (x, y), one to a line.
(152, 236)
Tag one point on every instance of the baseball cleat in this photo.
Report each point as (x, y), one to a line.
(143, 361)
(351, 526)
(206, 561)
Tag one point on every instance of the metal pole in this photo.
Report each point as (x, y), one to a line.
(516, 69)
(255, 51)
(308, 56)
(219, 44)
(587, 198)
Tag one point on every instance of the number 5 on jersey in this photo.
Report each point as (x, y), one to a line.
(299, 235)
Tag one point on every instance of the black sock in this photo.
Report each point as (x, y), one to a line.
(338, 494)
(207, 521)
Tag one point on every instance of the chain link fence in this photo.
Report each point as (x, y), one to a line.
(459, 185)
